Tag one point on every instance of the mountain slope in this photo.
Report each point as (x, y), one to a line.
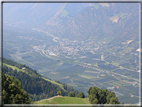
(100, 22)
(12, 92)
(32, 82)
(37, 15)
(103, 37)
(111, 29)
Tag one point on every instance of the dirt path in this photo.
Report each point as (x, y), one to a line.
(53, 98)
(49, 99)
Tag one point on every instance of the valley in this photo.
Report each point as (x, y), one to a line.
(73, 63)
(94, 46)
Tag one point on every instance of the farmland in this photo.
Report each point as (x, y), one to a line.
(80, 69)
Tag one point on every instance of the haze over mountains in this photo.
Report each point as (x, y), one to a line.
(97, 20)
(112, 25)
(81, 44)
(37, 14)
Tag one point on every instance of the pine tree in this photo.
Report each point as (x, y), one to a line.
(12, 91)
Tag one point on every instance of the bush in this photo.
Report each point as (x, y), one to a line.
(59, 92)
(81, 95)
(71, 94)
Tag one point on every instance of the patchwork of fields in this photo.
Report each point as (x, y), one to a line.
(79, 71)
(81, 77)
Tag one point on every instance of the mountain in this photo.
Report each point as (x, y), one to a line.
(88, 19)
(81, 45)
(99, 21)
(113, 27)
(37, 86)
(35, 15)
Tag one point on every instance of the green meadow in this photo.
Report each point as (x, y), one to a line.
(63, 100)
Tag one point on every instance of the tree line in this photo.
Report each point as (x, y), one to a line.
(33, 83)
(22, 87)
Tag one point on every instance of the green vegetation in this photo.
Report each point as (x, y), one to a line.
(61, 85)
(59, 92)
(84, 76)
(121, 15)
(39, 88)
(63, 100)
(63, 12)
(85, 37)
(10, 44)
(96, 96)
(72, 94)
(95, 65)
(106, 63)
(68, 100)
(117, 83)
(12, 91)
(13, 67)
(33, 83)
(100, 96)
(81, 95)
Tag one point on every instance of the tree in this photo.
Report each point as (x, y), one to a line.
(81, 95)
(59, 93)
(100, 96)
(33, 83)
(12, 91)
(71, 94)
(114, 100)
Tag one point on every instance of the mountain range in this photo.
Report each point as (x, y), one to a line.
(80, 44)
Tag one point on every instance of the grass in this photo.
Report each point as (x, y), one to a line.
(85, 76)
(122, 15)
(64, 100)
(72, 84)
(126, 89)
(10, 44)
(116, 64)
(13, 67)
(67, 100)
(21, 60)
(53, 82)
(42, 102)
(95, 65)
(91, 71)
(118, 83)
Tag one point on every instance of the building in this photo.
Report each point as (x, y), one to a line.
(23, 68)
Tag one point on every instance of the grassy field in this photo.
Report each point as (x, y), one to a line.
(13, 67)
(63, 100)
(53, 82)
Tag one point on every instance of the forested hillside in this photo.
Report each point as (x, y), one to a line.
(32, 82)
(12, 92)
(79, 44)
